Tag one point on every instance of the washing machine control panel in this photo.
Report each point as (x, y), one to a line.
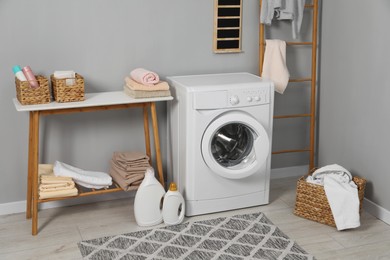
(248, 97)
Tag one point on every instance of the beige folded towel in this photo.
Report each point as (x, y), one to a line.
(51, 186)
(126, 185)
(47, 179)
(45, 169)
(131, 166)
(126, 174)
(56, 186)
(134, 85)
(129, 156)
(58, 193)
(129, 170)
(146, 94)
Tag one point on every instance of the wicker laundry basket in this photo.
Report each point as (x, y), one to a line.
(32, 96)
(312, 203)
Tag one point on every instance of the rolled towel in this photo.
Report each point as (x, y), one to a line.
(134, 85)
(144, 76)
(82, 177)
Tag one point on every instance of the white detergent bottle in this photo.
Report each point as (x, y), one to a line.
(173, 207)
(147, 202)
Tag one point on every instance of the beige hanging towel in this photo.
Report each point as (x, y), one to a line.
(274, 66)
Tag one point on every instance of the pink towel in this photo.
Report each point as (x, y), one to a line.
(144, 76)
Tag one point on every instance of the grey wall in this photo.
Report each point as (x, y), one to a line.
(103, 40)
(355, 90)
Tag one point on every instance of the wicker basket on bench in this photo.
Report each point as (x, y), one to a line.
(68, 93)
(28, 95)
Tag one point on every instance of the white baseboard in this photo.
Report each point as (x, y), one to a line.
(376, 210)
(294, 171)
(20, 206)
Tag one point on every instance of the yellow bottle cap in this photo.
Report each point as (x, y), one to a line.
(173, 187)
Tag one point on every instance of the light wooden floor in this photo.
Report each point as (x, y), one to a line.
(61, 228)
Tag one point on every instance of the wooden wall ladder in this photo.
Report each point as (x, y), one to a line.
(312, 113)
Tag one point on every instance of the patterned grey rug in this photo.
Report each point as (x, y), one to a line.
(248, 236)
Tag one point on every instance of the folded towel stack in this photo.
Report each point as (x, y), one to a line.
(88, 179)
(145, 84)
(51, 186)
(128, 169)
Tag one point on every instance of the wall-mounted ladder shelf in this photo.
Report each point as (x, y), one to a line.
(313, 81)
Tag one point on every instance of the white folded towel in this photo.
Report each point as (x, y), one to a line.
(341, 192)
(69, 75)
(89, 179)
(274, 65)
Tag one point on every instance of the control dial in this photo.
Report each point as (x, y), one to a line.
(234, 100)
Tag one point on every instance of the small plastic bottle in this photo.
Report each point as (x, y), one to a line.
(18, 73)
(30, 77)
(147, 202)
(173, 207)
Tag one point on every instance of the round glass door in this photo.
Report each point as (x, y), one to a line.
(235, 145)
(232, 144)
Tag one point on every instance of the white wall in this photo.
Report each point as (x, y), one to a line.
(354, 92)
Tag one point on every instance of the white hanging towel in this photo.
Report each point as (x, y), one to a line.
(342, 194)
(274, 65)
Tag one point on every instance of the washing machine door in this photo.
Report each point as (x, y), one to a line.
(235, 145)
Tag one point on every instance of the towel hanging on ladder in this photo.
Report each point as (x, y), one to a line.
(274, 65)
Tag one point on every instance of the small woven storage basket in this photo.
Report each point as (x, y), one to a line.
(68, 93)
(32, 96)
(312, 203)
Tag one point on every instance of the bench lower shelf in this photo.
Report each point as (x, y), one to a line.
(83, 192)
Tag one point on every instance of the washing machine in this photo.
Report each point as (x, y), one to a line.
(219, 140)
